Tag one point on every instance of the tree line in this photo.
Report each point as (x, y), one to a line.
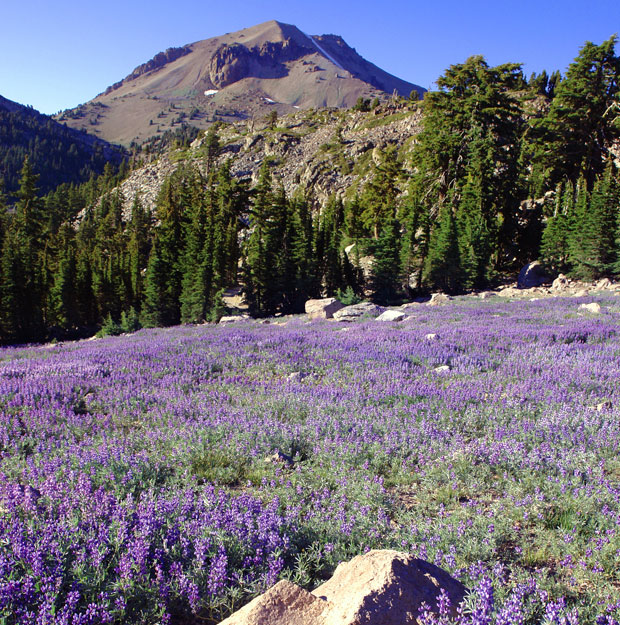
(505, 170)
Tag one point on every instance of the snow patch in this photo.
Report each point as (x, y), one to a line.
(211, 92)
(323, 52)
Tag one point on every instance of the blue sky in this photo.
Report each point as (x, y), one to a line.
(56, 55)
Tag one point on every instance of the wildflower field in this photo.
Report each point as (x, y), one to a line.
(138, 481)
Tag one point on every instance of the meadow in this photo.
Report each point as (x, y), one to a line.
(171, 475)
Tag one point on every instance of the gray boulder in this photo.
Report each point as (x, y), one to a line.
(391, 315)
(356, 311)
(532, 275)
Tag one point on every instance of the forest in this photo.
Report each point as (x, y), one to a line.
(506, 169)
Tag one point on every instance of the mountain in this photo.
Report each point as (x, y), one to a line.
(58, 153)
(247, 74)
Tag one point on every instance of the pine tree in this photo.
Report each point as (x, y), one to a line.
(138, 250)
(154, 306)
(12, 279)
(63, 293)
(261, 252)
(443, 263)
(593, 253)
(574, 139)
(386, 269)
(474, 237)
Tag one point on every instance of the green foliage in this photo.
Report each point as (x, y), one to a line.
(362, 105)
(574, 138)
(58, 154)
(443, 264)
(110, 327)
(348, 296)
(386, 278)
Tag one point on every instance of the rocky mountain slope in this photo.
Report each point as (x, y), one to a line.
(327, 151)
(242, 75)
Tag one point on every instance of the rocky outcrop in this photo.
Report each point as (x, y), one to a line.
(381, 587)
(157, 62)
(230, 63)
(438, 299)
(357, 311)
(322, 308)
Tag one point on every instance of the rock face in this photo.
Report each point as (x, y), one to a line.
(381, 587)
(322, 308)
(355, 311)
(532, 275)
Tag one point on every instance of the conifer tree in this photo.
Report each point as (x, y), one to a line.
(155, 306)
(593, 242)
(474, 237)
(138, 250)
(63, 293)
(574, 139)
(259, 262)
(386, 269)
(443, 263)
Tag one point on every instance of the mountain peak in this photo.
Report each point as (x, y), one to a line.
(238, 75)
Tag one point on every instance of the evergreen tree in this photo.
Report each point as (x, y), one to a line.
(593, 253)
(63, 294)
(386, 270)
(380, 198)
(138, 250)
(12, 279)
(443, 263)
(155, 305)
(260, 256)
(574, 139)
(474, 237)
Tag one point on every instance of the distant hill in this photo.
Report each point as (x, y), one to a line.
(58, 153)
(242, 75)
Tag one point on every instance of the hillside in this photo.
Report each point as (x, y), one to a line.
(329, 152)
(248, 74)
(58, 153)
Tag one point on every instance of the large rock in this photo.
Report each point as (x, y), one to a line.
(322, 308)
(603, 284)
(593, 307)
(355, 311)
(226, 319)
(391, 315)
(385, 587)
(561, 283)
(532, 275)
(283, 604)
(381, 587)
(438, 299)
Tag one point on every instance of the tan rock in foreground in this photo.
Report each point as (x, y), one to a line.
(385, 587)
(283, 604)
(381, 587)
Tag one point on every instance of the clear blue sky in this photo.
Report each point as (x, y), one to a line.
(56, 55)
